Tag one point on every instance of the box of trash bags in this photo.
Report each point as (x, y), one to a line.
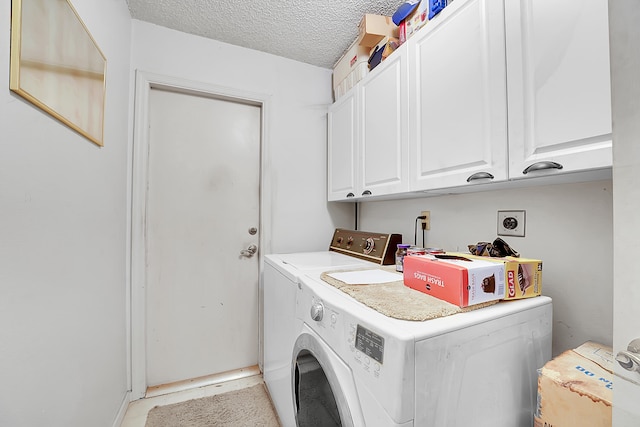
(464, 279)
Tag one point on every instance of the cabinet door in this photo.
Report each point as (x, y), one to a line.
(558, 85)
(458, 123)
(384, 127)
(342, 148)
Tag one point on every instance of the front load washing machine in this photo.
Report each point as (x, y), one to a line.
(348, 250)
(324, 390)
(281, 273)
(477, 368)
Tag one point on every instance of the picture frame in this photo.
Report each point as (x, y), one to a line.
(57, 65)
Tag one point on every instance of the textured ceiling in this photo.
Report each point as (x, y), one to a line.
(316, 32)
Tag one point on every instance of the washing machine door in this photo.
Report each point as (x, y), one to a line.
(324, 391)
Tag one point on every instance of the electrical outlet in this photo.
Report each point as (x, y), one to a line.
(426, 223)
(511, 223)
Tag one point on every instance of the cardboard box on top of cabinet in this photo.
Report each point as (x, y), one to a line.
(373, 28)
(426, 10)
(412, 23)
(357, 74)
(352, 60)
(576, 388)
(523, 275)
(458, 280)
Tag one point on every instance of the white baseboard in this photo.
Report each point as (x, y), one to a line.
(123, 410)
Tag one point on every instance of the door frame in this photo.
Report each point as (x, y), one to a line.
(138, 174)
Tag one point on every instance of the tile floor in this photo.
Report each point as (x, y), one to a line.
(136, 415)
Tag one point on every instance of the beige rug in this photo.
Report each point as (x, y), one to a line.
(248, 407)
(396, 300)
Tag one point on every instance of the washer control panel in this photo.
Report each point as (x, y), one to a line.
(380, 358)
(376, 247)
(367, 348)
(362, 346)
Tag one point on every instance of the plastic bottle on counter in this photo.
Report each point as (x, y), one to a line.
(400, 254)
(416, 250)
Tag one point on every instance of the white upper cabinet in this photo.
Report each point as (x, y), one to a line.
(487, 91)
(342, 148)
(558, 86)
(384, 128)
(458, 122)
(367, 146)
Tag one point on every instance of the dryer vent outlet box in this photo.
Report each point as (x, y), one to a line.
(511, 223)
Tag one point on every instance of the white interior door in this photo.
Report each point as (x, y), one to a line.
(202, 202)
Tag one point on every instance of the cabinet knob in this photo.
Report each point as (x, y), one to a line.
(366, 193)
(541, 166)
(480, 175)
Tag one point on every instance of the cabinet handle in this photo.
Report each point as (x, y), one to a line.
(366, 193)
(542, 166)
(351, 195)
(480, 175)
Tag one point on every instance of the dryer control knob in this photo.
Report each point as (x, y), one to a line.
(369, 245)
(317, 311)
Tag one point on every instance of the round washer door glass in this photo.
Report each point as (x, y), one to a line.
(315, 402)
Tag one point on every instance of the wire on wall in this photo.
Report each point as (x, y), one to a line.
(415, 230)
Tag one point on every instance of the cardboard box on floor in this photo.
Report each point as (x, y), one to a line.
(576, 388)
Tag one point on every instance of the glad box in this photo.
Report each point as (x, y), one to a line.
(523, 275)
(460, 280)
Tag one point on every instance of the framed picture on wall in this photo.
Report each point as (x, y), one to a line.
(57, 66)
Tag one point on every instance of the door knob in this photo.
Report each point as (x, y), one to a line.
(250, 251)
(630, 359)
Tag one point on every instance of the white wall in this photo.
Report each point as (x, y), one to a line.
(298, 216)
(625, 69)
(301, 219)
(62, 247)
(569, 227)
(63, 210)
